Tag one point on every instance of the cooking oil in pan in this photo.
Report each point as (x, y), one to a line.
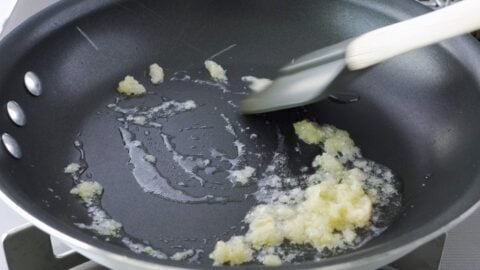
(141, 248)
(81, 166)
(150, 179)
(290, 206)
(146, 173)
(149, 116)
(276, 184)
(189, 164)
(102, 223)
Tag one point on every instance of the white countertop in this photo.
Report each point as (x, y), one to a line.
(6, 7)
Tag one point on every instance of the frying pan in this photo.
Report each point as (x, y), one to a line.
(417, 114)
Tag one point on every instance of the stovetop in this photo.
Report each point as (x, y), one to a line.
(457, 250)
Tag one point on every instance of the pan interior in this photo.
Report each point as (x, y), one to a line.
(408, 117)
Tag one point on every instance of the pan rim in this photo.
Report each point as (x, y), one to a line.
(52, 226)
(84, 247)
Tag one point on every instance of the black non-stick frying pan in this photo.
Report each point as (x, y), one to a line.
(417, 114)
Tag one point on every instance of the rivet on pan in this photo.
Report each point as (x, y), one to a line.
(16, 114)
(11, 145)
(33, 84)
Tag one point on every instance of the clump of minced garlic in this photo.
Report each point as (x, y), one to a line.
(242, 176)
(131, 87)
(330, 210)
(87, 190)
(102, 224)
(217, 72)
(72, 168)
(157, 75)
(257, 84)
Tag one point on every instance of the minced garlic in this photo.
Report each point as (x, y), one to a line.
(272, 260)
(130, 87)
(157, 75)
(241, 176)
(216, 71)
(326, 214)
(182, 255)
(72, 168)
(87, 190)
(235, 251)
(257, 84)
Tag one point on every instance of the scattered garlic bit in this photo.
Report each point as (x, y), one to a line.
(131, 87)
(336, 142)
(156, 74)
(241, 176)
(148, 249)
(150, 158)
(216, 71)
(137, 143)
(107, 227)
(272, 260)
(188, 105)
(102, 224)
(257, 84)
(154, 253)
(182, 255)
(139, 248)
(309, 132)
(235, 251)
(72, 168)
(138, 120)
(328, 163)
(87, 190)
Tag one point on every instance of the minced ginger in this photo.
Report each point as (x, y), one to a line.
(327, 215)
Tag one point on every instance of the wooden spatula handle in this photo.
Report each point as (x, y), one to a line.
(384, 43)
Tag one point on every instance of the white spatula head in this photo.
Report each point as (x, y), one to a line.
(301, 83)
(294, 90)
